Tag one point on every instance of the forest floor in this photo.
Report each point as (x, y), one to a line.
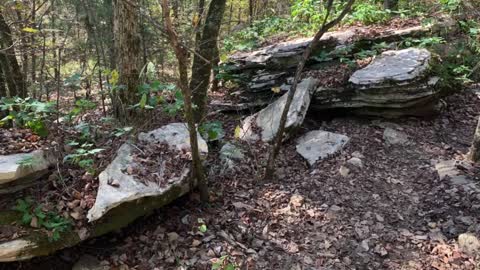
(394, 213)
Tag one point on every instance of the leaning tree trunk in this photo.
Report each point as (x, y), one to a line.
(206, 53)
(277, 142)
(127, 47)
(8, 61)
(390, 4)
(475, 149)
(181, 54)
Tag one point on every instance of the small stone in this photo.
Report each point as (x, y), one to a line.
(344, 171)
(335, 208)
(380, 250)
(379, 218)
(357, 154)
(355, 162)
(395, 137)
(292, 247)
(364, 245)
(318, 144)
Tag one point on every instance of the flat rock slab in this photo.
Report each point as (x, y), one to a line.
(127, 188)
(395, 137)
(319, 144)
(267, 120)
(174, 134)
(25, 165)
(393, 66)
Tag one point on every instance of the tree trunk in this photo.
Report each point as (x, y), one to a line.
(201, 70)
(127, 47)
(390, 4)
(277, 142)
(181, 54)
(8, 61)
(33, 56)
(474, 154)
(24, 47)
(3, 86)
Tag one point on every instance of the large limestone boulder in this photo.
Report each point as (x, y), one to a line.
(127, 188)
(393, 67)
(120, 199)
(319, 144)
(19, 171)
(264, 124)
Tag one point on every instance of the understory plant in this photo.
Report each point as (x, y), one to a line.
(36, 217)
(26, 113)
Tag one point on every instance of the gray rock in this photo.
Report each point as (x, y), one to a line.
(232, 152)
(176, 135)
(128, 188)
(393, 66)
(357, 154)
(35, 165)
(355, 162)
(469, 244)
(268, 119)
(318, 144)
(395, 137)
(451, 169)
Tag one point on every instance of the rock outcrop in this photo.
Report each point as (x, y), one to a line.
(271, 66)
(395, 83)
(120, 199)
(264, 124)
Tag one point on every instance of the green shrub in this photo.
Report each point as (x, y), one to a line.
(27, 113)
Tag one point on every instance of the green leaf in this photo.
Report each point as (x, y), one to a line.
(26, 218)
(143, 101)
(230, 267)
(29, 30)
(202, 228)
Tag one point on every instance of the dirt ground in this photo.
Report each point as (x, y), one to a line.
(394, 213)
